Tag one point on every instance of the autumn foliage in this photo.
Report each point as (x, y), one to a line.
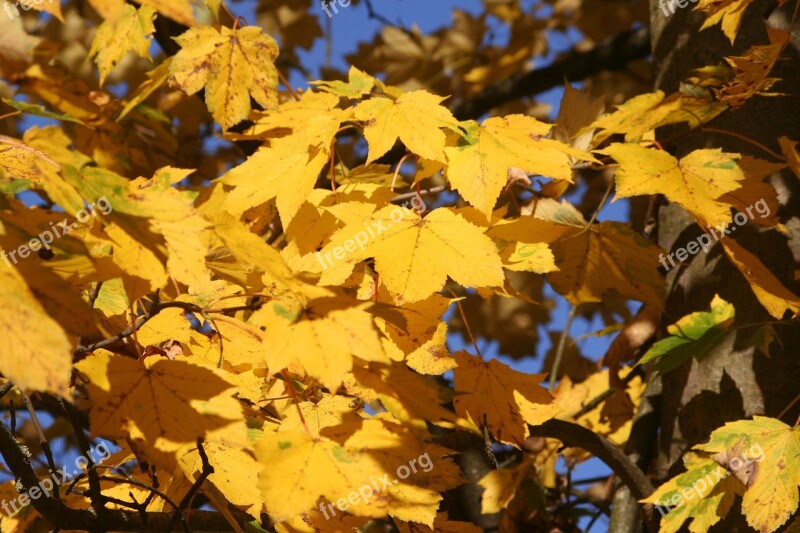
(291, 297)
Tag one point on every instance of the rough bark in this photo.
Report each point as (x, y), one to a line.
(734, 381)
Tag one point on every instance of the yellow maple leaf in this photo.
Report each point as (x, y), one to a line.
(478, 168)
(771, 494)
(702, 493)
(416, 118)
(367, 461)
(328, 412)
(287, 170)
(442, 524)
(165, 403)
(178, 10)
(128, 30)
(414, 256)
(608, 256)
(19, 160)
(634, 118)
(769, 290)
(410, 397)
(421, 340)
(232, 64)
(36, 350)
(727, 13)
(358, 84)
(612, 418)
(235, 476)
(502, 398)
(696, 182)
(790, 152)
(300, 333)
(501, 485)
(523, 243)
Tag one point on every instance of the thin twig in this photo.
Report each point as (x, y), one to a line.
(6, 388)
(407, 195)
(208, 469)
(48, 453)
(377, 16)
(466, 323)
(786, 409)
(562, 343)
(83, 441)
(746, 139)
(130, 481)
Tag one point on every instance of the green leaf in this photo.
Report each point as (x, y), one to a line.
(40, 111)
(695, 334)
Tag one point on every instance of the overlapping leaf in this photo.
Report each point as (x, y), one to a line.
(232, 65)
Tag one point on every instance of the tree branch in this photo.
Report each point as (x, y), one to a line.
(613, 54)
(63, 517)
(579, 437)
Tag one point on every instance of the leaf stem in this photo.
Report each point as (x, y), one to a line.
(562, 344)
(746, 139)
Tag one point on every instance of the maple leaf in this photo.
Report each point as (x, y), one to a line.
(303, 469)
(634, 118)
(166, 404)
(18, 160)
(180, 11)
(478, 169)
(415, 255)
(358, 84)
(594, 261)
(752, 70)
(771, 494)
(772, 294)
(128, 30)
(695, 335)
(235, 476)
(299, 333)
(727, 13)
(416, 118)
(37, 350)
(523, 244)
(789, 149)
(502, 485)
(421, 340)
(286, 170)
(702, 493)
(514, 399)
(696, 182)
(232, 64)
(612, 419)
(409, 396)
(440, 525)
(751, 458)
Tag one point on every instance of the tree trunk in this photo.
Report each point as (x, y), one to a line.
(735, 381)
